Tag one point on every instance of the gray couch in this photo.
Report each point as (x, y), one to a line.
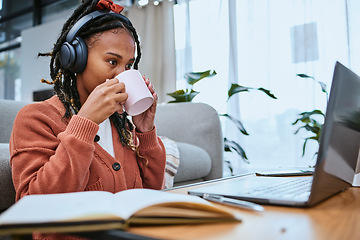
(195, 127)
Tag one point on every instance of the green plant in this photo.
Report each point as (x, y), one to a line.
(189, 93)
(309, 119)
(232, 146)
(236, 88)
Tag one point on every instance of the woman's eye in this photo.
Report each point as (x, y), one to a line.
(129, 66)
(113, 62)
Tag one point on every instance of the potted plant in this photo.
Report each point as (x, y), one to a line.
(309, 120)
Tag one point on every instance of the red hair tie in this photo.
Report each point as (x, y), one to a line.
(108, 4)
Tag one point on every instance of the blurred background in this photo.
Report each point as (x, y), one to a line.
(253, 43)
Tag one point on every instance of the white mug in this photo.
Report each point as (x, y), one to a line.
(139, 96)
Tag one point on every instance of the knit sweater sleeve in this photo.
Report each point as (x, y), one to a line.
(44, 151)
(152, 159)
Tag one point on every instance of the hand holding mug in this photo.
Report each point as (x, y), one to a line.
(139, 96)
(103, 101)
(142, 99)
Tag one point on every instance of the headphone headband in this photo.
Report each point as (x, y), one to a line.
(81, 23)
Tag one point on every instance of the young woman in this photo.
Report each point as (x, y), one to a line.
(80, 139)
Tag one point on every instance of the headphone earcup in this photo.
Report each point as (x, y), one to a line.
(67, 55)
(81, 55)
(73, 56)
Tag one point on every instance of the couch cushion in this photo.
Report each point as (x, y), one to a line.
(195, 162)
(193, 123)
(7, 196)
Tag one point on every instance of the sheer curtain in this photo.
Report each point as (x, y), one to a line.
(259, 43)
(155, 26)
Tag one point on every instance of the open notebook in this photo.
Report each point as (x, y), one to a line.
(336, 162)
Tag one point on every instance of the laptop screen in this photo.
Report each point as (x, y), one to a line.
(340, 136)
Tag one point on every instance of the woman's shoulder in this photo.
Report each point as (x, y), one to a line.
(40, 117)
(49, 106)
(41, 111)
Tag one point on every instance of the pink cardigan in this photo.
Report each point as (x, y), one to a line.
(50, 154)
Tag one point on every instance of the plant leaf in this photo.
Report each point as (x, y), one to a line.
(296, 121)
(267, 92)
(178, 92)
(232, 145)
(182, 96)
(228, 164)
(305, 117)
(314, 138)
(310, 124)
(304, 147)
(194, 77)
(302, 75)
(299, 129)
(313, 129)
(237, 122)
(236, 88)
(323, 86)
(306, 140)
(314, 112)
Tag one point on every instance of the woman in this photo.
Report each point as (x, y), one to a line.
(80, 139)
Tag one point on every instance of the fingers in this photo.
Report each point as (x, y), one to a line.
(151, 87)
(114, 91)
(115, 86)
(112, 81)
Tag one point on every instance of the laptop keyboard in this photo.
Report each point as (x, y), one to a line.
(292, 188)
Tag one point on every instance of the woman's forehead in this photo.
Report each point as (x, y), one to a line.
(112, 36)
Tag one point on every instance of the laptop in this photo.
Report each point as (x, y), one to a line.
(336, 160)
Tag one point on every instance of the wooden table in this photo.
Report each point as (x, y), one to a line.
(335, 218)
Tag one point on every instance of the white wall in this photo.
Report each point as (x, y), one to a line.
(34, 40)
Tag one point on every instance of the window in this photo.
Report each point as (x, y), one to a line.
(58, 10)
(273, 41)
(10, 74)
(206, 48)
(16, 16)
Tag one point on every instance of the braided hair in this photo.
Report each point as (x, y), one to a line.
(64, 81)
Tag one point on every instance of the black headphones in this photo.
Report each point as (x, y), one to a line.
(73, 52)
